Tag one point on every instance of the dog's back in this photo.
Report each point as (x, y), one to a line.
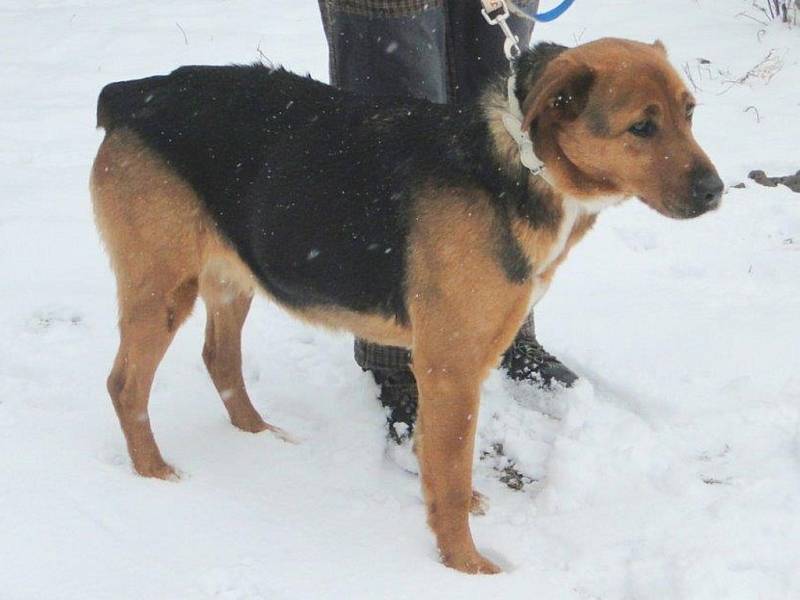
(216, 126)
(242, 137)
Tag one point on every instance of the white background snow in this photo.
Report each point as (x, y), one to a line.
(671, 471)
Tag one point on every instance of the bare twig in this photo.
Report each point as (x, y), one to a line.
(755, 110)
(765, 70)
(264, 58)
(751, 17)
(760, 8)
(185, 37)
(784, 11)
(687, 69)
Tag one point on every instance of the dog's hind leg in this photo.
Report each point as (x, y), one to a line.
(227, 305)
(153, 233)
(149, 318)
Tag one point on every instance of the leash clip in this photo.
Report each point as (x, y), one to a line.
(511, 45)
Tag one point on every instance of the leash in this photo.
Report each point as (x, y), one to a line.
(496, 12)
(543, 17)
(489, 6)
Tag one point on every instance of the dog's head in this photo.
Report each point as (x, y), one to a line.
(613, 118)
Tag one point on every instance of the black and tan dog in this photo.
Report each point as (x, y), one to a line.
(404, 222)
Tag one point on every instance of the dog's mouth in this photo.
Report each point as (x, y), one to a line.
(690, 210)
(682, 209)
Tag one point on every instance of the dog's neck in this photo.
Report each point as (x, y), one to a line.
(546, 221)
(535, 199)
(506, 151)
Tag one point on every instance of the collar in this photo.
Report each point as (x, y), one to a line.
(512, 120)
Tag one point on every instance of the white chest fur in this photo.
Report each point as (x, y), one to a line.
(572, 211)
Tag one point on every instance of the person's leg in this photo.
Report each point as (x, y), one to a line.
(381, 48)
(390, 367)
(475, 48)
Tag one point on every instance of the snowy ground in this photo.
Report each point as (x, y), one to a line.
(670, 472)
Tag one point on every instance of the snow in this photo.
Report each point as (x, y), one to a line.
(670, 471)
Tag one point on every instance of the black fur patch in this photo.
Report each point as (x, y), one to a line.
(530, 65)
(598, 121)
(314, 186)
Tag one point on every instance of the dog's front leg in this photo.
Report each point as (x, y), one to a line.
(447, 414)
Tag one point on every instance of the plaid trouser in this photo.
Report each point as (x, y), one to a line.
(439, 50)
(382, 8)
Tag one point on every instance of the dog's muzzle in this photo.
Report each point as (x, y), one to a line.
(706, 190)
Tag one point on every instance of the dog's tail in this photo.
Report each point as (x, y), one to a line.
(123, 101)
(104, 102)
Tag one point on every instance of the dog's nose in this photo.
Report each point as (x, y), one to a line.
(707, 189)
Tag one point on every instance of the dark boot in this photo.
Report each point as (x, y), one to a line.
(399, 397)
(390, 367)
(526, 360)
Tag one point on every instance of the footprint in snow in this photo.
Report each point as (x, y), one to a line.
(49, 318)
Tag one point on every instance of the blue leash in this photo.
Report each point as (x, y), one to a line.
(549, 15)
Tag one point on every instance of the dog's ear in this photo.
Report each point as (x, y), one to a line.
(561, 92)
(659, 45)
(530, 65)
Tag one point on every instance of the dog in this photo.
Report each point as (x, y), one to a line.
(404, 222)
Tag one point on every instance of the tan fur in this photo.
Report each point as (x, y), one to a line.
(369, 327)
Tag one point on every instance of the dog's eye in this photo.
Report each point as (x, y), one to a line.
(689, 112)
(643, 129)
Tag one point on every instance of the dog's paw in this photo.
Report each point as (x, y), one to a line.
(253, 425)
(479, 504)
(472, 563)
(160, 470)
